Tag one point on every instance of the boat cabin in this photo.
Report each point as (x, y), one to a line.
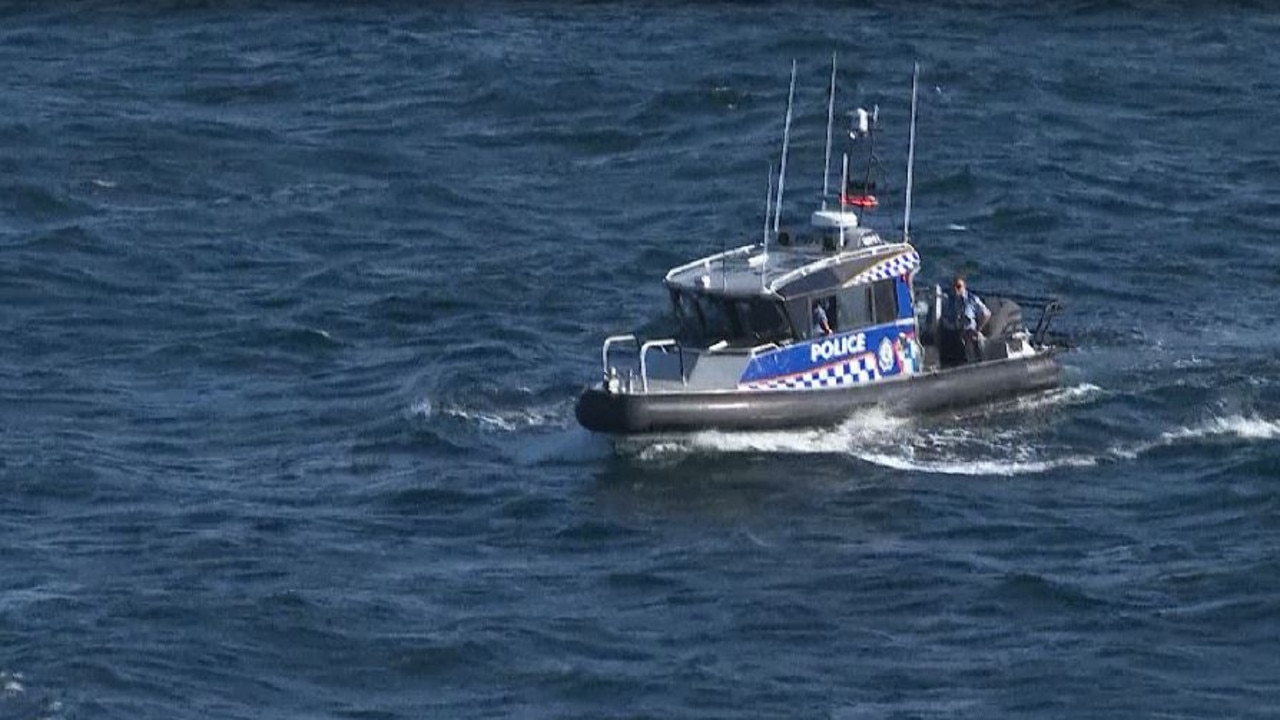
(752, 296)
(746, 315)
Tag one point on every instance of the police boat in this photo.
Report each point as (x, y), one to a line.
(804, 331)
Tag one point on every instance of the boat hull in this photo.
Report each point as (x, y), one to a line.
(634, 413)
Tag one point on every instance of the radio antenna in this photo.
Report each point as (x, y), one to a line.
(911, 153)
(786, 141)
(831, 114)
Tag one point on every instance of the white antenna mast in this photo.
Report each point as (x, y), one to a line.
(831, 113)
(768, 198)
(765, 252)
(911, 154)
(786, 140)
(844, 187)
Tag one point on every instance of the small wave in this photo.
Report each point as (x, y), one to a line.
(484, 420)
(492, 420)
(1074, 395)
(1238, 426)
(1003, 468)
(422, 409)
(17, 700)
(492, 409)
(507, 420)
(1231, 427)
(1192, 362)
(972, 452)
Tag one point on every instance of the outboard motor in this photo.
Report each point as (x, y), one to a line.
(1006, 319)
(1000, 336)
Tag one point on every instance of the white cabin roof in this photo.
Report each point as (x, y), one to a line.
(836, 219)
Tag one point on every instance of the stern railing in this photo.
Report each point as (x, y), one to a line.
(1049, 306)
(642, 349)
(613, 383)
(644, 354)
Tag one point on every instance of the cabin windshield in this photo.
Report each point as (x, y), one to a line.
(741, 322)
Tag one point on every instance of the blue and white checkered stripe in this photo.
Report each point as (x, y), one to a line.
(899, 264)
(854, 370)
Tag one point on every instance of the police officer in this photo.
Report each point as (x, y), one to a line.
(963, 317)
(820, 323)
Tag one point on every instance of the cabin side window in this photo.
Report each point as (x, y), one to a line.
(855, 307)
(866, 305)
(885, 297)
(828, 306)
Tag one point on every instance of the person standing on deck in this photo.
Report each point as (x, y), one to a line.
(963, 317)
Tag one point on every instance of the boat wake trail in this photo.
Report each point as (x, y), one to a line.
(870, 426)
(1001, 444)
(1020, 437)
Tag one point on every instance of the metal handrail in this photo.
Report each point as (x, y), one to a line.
(644, 352)
(761, 348)
(720, 256)
(604, 350)
(1047, 313)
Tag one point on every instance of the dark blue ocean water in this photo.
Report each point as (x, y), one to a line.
(297, 301)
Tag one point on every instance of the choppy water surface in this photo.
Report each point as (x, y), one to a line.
(298, 300)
